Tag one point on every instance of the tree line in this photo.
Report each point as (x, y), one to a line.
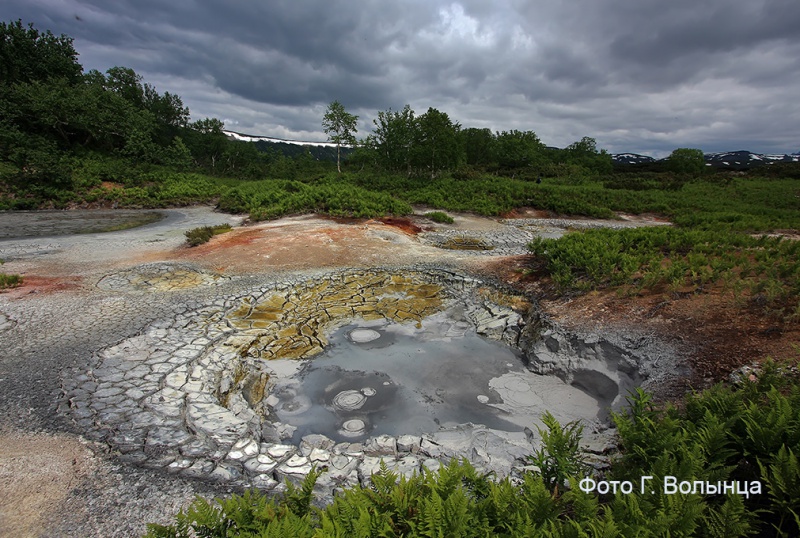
(432, 144)
(63, 129)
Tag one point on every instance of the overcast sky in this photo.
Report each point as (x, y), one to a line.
(644, 76)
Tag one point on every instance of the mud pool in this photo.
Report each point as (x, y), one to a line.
(389, 378)
(17, 224)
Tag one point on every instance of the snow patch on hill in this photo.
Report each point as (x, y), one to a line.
(252, 138)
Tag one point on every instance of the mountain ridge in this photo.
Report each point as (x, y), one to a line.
(738, 160)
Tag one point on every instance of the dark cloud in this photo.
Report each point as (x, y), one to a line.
(638, 76)
(689, 29)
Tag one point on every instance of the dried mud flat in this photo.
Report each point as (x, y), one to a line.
(84, 294)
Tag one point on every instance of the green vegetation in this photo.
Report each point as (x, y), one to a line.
(746, 437)
(559, 458)
(9, 281)
(276, 198)
(766, 268)
(440, 217)
(761, 270)
(687, 161)
(198, 236)
(743, 433)
(70, 137)
(111, 139)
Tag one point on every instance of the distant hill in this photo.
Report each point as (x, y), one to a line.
(322, 151)
(733, 160)
(743, 159)
(631, 158)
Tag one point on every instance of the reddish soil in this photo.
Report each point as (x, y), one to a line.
(718, 334)
(402, 224)
(304, 244)
(44, 284)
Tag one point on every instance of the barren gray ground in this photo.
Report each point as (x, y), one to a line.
(53, 482)
(83, 294)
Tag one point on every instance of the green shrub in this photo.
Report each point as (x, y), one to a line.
(276, 198)
(440, 217)
(9, 281)
(198, 236)
(744, 433)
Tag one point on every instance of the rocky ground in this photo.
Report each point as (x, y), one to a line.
(77, 459)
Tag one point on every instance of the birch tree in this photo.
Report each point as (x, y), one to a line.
(340, 126)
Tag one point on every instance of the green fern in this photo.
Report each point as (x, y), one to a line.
(729, 520)
(559, 457)
(782, 478)
(771, 424)
(207, 520)
(298, 500)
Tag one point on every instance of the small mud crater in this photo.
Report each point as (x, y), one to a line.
(419, 383)
(159, 277)
(461, 242)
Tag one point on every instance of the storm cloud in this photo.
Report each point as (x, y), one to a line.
(645, 76)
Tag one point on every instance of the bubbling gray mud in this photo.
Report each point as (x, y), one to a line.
(411, 381)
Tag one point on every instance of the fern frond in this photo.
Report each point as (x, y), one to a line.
(730, 520)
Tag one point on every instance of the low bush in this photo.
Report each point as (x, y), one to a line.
(275, 198)
(9, 281)
(440, 217)
(198, 236)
